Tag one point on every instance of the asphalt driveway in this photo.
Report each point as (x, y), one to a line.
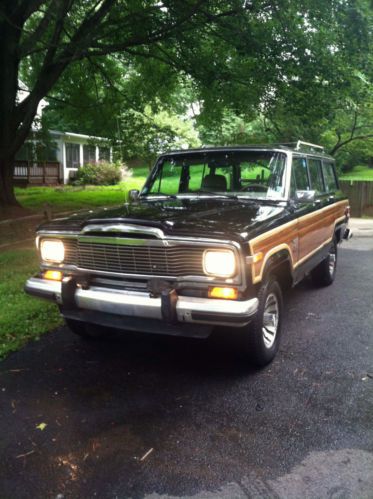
(146, 416)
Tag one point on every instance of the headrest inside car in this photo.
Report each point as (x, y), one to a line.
(214, 183)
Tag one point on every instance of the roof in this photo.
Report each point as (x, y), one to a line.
(250, 147)
(78, 135)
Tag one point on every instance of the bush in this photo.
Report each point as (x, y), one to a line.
(102, 173)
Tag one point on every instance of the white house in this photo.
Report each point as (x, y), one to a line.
(73, 150)
(60, 159)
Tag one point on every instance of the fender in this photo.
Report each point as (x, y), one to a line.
(280, 258)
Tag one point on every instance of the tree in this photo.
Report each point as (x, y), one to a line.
(145, 135)
(329, 99)
(251, 58)
(46, 37)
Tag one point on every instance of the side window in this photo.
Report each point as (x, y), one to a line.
(329, 176)
(314, 167)
(299, 180)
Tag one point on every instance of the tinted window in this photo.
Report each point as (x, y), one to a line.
(329, 177)
(314, 167)
(300, 176)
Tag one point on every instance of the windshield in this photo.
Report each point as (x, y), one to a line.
(252, 174)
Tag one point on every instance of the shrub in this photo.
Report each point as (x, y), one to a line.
(102, 173)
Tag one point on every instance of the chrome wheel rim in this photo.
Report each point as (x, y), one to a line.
(270, 320)
(332, 262)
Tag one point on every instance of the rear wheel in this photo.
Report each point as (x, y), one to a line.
(84, 330)
(262, 336)
(324, 273)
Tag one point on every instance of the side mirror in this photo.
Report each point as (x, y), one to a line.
(305, 196)
(133, 195)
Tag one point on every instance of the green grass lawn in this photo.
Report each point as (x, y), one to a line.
(362, 173)
(22, 318)
(69, 198)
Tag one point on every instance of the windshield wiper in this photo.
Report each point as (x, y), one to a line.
(154, 194)
(217, 194)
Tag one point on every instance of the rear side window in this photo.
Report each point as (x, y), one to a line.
(329, 176)
(300, 181)
(314, 167)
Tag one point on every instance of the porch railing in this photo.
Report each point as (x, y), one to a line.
(37, 172)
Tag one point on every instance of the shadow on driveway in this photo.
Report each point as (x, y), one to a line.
(207, 418)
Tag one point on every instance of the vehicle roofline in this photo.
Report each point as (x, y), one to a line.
(244, 148)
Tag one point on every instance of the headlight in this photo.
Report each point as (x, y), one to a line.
(52, 250)
(221, 263)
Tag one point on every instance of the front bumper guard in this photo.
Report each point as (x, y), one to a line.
(140, 305)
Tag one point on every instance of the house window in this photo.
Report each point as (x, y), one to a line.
(72, 155)
(104, 154)
(89, 154)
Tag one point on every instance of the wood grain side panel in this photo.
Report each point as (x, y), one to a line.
(301, 237)
(316, 229)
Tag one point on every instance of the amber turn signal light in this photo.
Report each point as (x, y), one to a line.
(53, 275)
(224, 293)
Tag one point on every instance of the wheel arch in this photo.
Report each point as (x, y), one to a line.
(280, 264)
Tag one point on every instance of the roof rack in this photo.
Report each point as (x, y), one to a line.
(301, 144)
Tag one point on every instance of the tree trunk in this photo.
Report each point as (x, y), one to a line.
(8, 200)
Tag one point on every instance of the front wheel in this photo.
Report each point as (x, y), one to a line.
(324, 273)
(262, 336)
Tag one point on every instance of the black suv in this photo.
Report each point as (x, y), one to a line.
(213, 239)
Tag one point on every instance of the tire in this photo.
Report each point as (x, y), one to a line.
(261, 339)
(324, 273)
(84, 330)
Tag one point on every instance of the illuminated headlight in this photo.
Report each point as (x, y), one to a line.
(52, 250)
(220, 263)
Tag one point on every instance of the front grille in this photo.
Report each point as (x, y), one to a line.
(71, 251)
(172, 261)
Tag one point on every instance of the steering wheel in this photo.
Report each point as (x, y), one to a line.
(254, 188)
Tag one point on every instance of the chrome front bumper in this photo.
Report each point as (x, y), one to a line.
(134, 304)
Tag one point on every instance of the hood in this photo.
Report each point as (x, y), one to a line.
(201, 217)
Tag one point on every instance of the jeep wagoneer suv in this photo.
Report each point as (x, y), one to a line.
(212, 239)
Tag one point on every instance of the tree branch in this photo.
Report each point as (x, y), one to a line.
(347, 141)
(35, 36)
